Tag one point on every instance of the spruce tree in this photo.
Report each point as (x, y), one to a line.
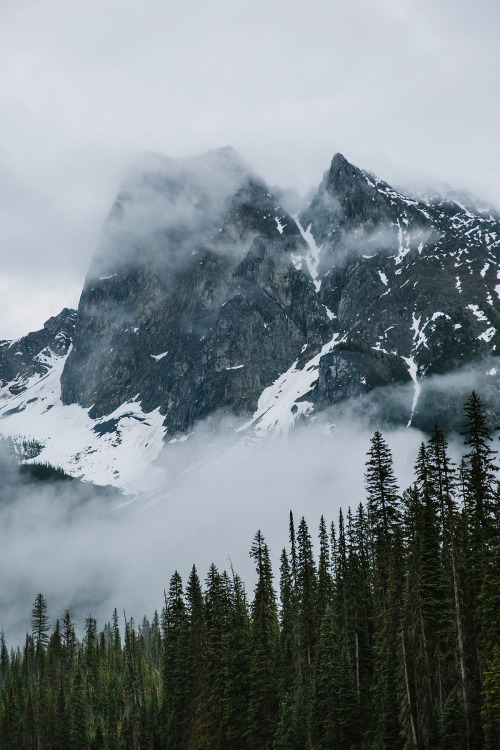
(381, 491)
(263, 692)
(196, 667)
(491, 702)
(325, 582)
(237, 684)
(173, 718)
(40, 623)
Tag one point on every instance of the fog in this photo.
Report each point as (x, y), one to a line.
(404, 89)
(90, 554)
(168, 210)
(385, 240)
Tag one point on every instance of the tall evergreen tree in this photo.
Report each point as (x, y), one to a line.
(263, 694)
(40, 623)
(197, 685)
(381, 491)
(173, 670)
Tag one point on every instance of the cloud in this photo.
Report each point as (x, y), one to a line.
(402, 89)
(91, 555)
(170, 209)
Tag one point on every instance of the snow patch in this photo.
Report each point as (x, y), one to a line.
(279, 224)
(413, 370)
(488, 334)
(419, 337)
(404, 249)
(278, 405)
(157, 357)
(107, 450)
(478, 313)
(313, 255)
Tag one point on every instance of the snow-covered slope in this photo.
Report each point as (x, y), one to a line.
(119, 449)
(205, 295)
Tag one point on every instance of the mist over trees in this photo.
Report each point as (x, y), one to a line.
(387, 638)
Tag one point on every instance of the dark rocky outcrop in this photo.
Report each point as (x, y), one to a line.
(197, 320)
(416, 280)
(202, 293)
(31, 354)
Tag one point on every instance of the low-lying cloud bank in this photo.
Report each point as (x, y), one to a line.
(90, 555)
(89, 552)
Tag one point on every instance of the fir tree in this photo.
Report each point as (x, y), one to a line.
(197, 685)
(263, 702)
(382, 491)
(173, 669)
(40, 623)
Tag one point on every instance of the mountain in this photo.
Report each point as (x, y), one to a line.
(205, 294)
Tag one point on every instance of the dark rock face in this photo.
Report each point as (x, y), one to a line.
(30, 355)
(196, 320)
(202, 293)
(415, 280)
(345, 373)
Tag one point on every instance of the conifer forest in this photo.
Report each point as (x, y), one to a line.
(385, 637)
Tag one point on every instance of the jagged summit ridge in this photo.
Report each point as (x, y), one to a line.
(207, 285)
(206, 294)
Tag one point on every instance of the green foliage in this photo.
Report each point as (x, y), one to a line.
(44, 472)
(391, 641)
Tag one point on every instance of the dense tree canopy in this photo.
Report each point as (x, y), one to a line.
(390, 641)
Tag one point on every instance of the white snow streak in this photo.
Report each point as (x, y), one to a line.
(312, 257)
(488, 334)
(478, 313)
(413, 370)
(279, 224)
(274, 409)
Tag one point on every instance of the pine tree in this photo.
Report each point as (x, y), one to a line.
(491, 702)
(382, 492)
(196, 667)
(325, 582)
(263, 693)
(237, 669)
(306, 589)
(173, 669)
(40, 623)
(456, 724)
(358, 608)
(11, 716)
(4, 658)
(480, 465)
(79, 738)
(387, 605)
(217, 610)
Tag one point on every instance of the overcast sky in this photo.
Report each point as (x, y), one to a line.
(407, 89)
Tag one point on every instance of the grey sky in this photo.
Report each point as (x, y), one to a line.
(405, 88)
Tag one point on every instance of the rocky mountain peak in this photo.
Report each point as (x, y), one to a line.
(206, 294)
(341, 171)
(33, 354)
